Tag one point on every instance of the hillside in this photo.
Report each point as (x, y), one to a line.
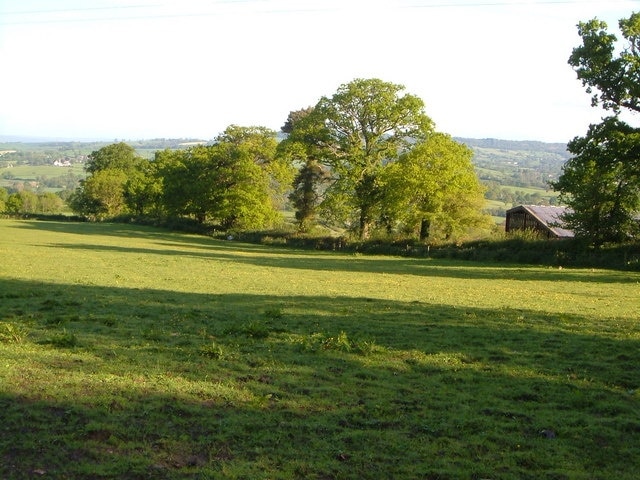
(516, 172)
(517, 163)
(136, 353)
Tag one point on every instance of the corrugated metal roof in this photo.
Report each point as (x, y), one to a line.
(550, 216)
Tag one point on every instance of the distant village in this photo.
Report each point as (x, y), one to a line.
(62, 163)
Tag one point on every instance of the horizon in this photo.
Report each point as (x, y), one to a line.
(36, 139)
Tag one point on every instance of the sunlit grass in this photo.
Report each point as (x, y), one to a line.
(128, 352)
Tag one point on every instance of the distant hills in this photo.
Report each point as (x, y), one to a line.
(520, 163)
(35, 139)
(527, 145)
(517, 163)
(471, 142)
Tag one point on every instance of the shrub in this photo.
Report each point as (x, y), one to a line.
(64, 339)
(12, 333)
(213, 350)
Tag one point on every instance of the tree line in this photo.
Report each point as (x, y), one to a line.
(365, 159)
(28, 202)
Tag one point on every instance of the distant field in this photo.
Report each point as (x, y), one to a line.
(31, 172)
(543, 192)
(131, 353)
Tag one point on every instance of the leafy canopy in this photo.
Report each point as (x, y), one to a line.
(616, 79)
(365, 125)
(601, 182)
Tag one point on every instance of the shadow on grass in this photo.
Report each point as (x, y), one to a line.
(410, 390)
(281, 257)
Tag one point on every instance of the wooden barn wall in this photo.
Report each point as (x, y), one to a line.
(523, 220)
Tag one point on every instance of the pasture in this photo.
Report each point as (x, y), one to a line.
(134, 353)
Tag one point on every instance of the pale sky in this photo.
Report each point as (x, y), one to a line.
(139, 69)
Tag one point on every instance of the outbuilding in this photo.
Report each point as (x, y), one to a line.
(544, 219)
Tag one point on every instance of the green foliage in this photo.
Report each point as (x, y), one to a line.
(259, 146)
(602, 181)
(143, 190)
(524, 247)
(367, 124)
(433, 188)
(305, 133)
(232, 182)
(11, 332)
(28, 202)
(253, 329)
(343, 343)
(274, 313)
(384, 163)
(214, 351)
(50, 203)
(63, 339)
(615, 79)
(306, 195)
(340, 342)
(102, 194)
(14, 204)
(117, 156)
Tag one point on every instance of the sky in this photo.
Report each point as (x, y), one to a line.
(142, 69)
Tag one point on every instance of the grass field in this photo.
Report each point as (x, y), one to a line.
(129, 352)
(31, 172)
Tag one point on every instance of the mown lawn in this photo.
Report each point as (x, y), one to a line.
(129, 352)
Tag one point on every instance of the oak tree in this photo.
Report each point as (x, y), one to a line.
(433, 188)
(302, 148)
(367, 124)
(601, 183)
(232, 182)
(102, 194)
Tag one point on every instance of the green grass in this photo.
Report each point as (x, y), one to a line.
(128, 352)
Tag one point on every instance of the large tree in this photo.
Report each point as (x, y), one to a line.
(186, 186)
(367, 124)
(433, 188)
(117, 156)
(601, 182)
(143, 189)
(302, 148)
(232, 182)
(102, 194)
(258, 145)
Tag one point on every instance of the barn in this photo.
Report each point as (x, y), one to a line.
(545, 219)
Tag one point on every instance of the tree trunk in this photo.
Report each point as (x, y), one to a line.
(424, 229)
(365, 224)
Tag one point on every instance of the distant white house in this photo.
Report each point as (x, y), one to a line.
(62, 163)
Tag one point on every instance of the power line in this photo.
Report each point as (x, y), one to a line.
(275, 10)
(507, 3)
(117, 7)
(85, 9)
